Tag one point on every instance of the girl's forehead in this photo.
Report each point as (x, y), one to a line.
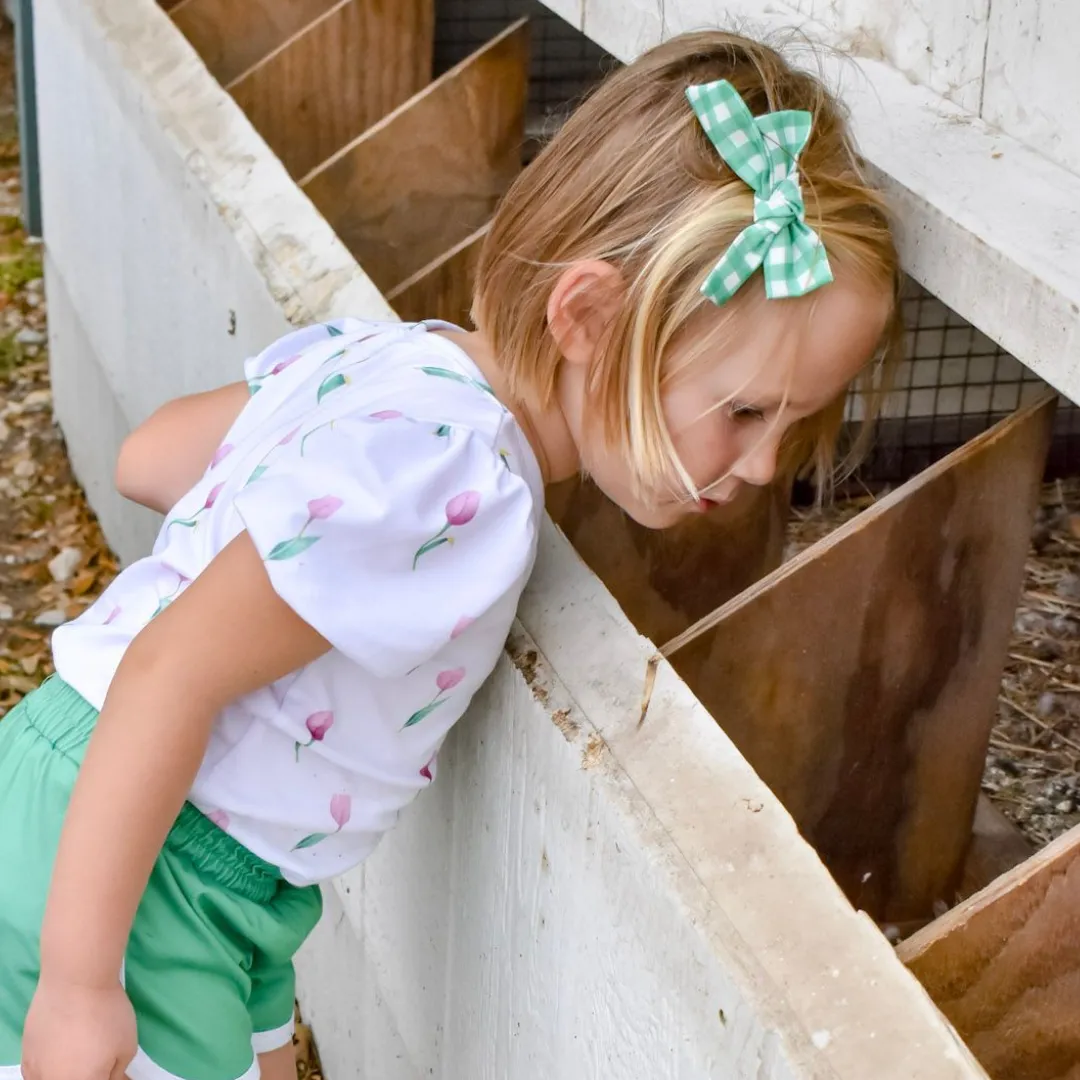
(801, 349)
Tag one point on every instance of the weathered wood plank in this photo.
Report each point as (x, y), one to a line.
(935, 44)
(233, 35)
(429, 174)
(1032, 81)
(667, 580)
(1004, 967)
(860, 679)
(444, 288)
(337, 77)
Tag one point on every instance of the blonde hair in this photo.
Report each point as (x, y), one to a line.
(632, 179)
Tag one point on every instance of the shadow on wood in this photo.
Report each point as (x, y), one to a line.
(337, 77)
(429, 175)
(997, 845)
(666, 580)
(442, 289)
(232, 35)
(860, 680)
(1004, 967)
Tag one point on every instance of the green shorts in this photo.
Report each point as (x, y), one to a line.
(208, 966)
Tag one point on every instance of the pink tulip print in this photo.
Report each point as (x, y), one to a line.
(340, 812)
(318, 510)
(255, 383)
(460, 510)
(113, 616)
(387, 414)
(165, 601)
(445, 681)
(318, 724)
(191, 522)
(461, 626)
(219, 818)
(222, 452)
(262, 466)
(426, 771)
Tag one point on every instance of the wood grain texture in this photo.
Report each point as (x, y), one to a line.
(1004, 967)
(444, 288)
(860, 679)
(233, 35)
(337, 77)
(666, 580)
(429, 175)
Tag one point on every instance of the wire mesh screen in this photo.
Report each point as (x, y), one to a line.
(954, 384)
(565, 63)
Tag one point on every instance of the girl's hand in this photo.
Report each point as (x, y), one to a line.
(78, 1033)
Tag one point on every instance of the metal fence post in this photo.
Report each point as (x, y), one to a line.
(27, 101)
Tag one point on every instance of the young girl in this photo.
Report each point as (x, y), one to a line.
(677, 291)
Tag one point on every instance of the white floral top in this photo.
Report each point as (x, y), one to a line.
(395, 503)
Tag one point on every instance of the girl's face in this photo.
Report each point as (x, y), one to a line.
(736, 385)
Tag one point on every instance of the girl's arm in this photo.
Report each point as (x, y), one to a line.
(227, 635)
(163, 458)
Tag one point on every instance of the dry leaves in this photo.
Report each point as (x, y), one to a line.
(44, 518)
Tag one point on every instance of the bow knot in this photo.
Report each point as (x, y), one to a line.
(764, 153)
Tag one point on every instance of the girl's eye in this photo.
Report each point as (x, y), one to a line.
(740, 411)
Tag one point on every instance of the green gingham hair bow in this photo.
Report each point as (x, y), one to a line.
(764, 152)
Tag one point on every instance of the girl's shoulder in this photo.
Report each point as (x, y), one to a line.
(380, 370)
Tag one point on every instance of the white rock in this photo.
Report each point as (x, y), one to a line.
(36, 398)
(64, 563)
(6, 612)
(24, 470)
(27, 336)
(51, 618)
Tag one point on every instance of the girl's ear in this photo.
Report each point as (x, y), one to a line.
(583, 303)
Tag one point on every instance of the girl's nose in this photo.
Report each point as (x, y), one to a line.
(757, 464)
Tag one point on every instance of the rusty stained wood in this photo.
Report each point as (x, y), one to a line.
(860, 680)
(444, 288)
(666, 580)
(429, 175)
(337, 77)
(1004, 967)
(233, 35)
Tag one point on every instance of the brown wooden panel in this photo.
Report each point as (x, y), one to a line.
(233, 35)
(860, 680)
(337, 77)
(668, 579)
(429, 175)
(444, 288)
(1004, 967)
(997, 845)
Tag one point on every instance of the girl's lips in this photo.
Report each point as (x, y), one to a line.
(703, 506)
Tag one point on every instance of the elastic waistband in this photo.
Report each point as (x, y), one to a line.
(65, 719)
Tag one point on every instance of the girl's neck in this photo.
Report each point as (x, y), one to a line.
(546, 429)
